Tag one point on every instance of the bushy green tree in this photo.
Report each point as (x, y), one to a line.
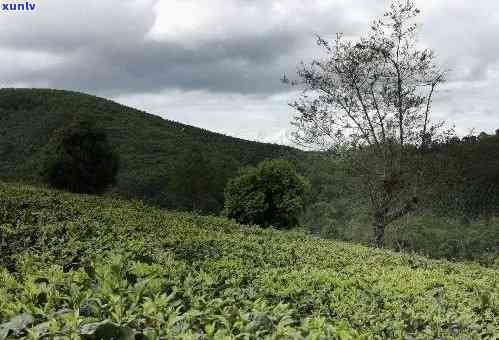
(79, 158)
(272, 193)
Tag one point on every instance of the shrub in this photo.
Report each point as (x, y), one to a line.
(80, 159)
(272, 193)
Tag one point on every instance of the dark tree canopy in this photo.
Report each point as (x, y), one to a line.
(80, 159)
(197, 179)
(271, 194)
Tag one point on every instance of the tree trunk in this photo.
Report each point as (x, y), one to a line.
(379, 230)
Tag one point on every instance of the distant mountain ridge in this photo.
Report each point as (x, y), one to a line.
(157, 155)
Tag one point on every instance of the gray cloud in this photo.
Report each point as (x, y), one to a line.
(105, 47)
(143, 51)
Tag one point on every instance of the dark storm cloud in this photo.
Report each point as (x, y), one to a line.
(104, 47)
(150, 66)
(149, 51)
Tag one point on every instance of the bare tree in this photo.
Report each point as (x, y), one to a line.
(372, 98)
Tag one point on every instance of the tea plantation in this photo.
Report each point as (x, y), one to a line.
(83, 267)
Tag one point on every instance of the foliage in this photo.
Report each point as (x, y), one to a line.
(458, 213)
(80, 159)
(105, 268)
(272, 193)
(198, 177)
(155, 154)
(372, 97)
(449, 237)
(469, 183)
(153, 151)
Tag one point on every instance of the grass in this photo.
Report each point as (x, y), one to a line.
(88, 267)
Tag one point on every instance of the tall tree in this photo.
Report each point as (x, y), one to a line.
(80, 159)
(371, 99)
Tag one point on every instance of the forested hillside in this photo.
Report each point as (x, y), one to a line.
(164, 162)
(457, 216)
(178, 166)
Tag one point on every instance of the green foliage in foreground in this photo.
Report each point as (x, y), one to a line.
(84, 267)
(270, 194)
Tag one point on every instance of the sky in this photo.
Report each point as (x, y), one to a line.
(217, 64)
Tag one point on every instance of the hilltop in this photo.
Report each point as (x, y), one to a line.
(83, 266)
(164, 162)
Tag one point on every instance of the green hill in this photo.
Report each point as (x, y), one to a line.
(182, 167)
(165, 162)
(80, 266)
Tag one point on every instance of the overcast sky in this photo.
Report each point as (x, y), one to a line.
(217, 64)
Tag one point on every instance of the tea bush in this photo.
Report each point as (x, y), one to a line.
(83, 267)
